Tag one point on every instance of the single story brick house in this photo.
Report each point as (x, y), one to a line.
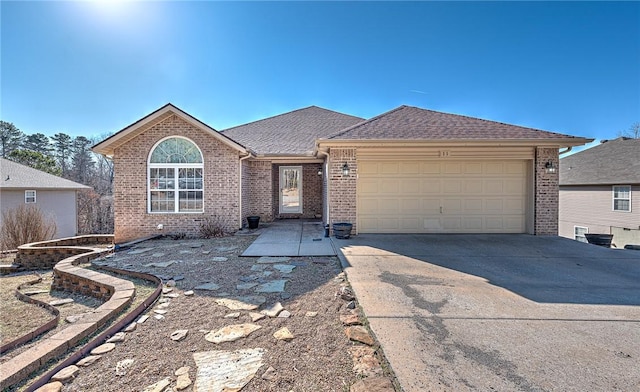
(409, 170)
(600, 192)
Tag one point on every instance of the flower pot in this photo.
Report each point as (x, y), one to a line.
(600, 239)
(342, 230)
(253, 221)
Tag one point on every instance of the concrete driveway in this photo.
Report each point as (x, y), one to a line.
(500, 312)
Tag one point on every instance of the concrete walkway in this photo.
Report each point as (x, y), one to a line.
(293, 237)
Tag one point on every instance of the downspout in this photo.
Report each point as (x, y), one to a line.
(240, 187)
(325, 172)
(565, 151)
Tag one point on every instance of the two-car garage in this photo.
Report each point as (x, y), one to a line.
(417, 195)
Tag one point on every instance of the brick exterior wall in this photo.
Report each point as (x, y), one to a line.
(257, 188)
(221, 184)
(546, 193)
(311, 191)
(342, 190)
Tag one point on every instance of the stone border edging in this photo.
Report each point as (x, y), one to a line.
(110, 331)
(49, 325)
(118, 292)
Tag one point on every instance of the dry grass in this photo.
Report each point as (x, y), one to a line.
(25, 224)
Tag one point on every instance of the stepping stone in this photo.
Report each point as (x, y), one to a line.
(160, 311)
(258, 267)
(61, 302)
(246, 286)
(256, 316)
(275, 286)
(248, 278)
(55, 386)
(172, 295)
(267, 273)
(88, 360)
(284, 295)
(359, 334)
(189, 293)
(103, 349)
(284, 268)
(117, 338)
(242, 303)
(163, 264)
(160, 386)
(178, 278)
(142, 319)
(299, 263)
(207, 286)
(158, 255)
(283, 334)
(139, 251)
(219, 259)
(73, 318)
(226, 248)
(206, 252)
(179, 335)
(231, 333)
(66, 374)
(123, 366)
(226, 370)
(273, 310)
(272, 260)
(131, 327)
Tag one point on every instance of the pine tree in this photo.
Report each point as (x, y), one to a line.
(10, 138)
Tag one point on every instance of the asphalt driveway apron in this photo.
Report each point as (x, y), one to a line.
(500, 312)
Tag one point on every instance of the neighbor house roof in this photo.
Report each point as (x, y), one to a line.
(108, 146)
(16, 176)
(613, 162)
(408, 123)
(292, 133)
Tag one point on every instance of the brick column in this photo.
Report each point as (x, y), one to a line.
(546, 192)
(342, 190)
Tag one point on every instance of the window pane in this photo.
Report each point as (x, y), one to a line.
(621, 192)
(190, 178)
(162, 178)
(190, 201)
(162, 201)
(621, 205)
(176, 150)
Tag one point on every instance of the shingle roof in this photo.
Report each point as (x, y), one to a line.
(412, 123)
(16, 176)
(292, 133)
(614, 162)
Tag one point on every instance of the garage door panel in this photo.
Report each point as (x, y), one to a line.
(442, 196)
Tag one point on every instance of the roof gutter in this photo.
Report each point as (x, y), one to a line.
(565, 142)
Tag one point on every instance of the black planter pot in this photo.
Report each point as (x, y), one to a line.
(253, 221)
(600, 239)
(342, 230)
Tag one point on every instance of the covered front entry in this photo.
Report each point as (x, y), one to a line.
(442, 196)
(297, 190)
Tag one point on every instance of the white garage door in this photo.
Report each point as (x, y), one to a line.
(442, 196)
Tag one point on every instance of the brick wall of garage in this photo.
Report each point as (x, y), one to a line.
(546, 192)
(311, 191)
(221, 184)
(342, 190)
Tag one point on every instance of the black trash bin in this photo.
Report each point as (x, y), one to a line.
(600, 239)
(253, 221)
(342, 230)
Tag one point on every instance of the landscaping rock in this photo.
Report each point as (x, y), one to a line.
(231, 333)
(131, 327)
(283, 334)
(269, 374)
(346, 294)
(284, 268)
(350, 319)
(275, 286)
(246, 286)
(123, 366)
(179, 335)
(88, 360)
(207, 286)
(219, 259)
(160, 386)
(143, 318)
(284, 314)
(242, 303)
(189, 293)
(365, 363)
(234, 315)
(66, 374)
(59, 302)
(373, 384)
(272, 260)
(273, 310)
(359, 334)
(256, 316)
(311, 314)
(103, 349)
(117, 338)
(226, 370)
(55, 386)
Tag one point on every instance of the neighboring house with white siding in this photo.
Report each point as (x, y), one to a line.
(55, 196)
(600, 192)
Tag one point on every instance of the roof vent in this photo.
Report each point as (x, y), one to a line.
(7, 178)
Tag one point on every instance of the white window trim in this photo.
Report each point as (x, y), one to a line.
(613, 198)
(580, 227)
(26, 198)
(175, 166)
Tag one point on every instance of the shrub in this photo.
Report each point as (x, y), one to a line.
(25, 224)
(212, 227)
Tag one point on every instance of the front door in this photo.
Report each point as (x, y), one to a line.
(290, 189)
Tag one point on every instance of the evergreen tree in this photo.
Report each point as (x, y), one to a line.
(82, 160)
(62, 146)
(10, 138)
(35, 160)
(38, 142)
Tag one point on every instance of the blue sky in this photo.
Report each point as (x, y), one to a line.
(90, 68)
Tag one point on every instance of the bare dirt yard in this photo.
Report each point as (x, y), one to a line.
(221, 332)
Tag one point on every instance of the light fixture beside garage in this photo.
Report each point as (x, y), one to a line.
(345, 170)
(550, 167)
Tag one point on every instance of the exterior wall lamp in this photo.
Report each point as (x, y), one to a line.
(345, 170)
(320, 171)
(550, 167)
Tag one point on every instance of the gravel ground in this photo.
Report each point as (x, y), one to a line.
(318, 358)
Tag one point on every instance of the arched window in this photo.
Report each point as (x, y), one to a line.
(175, 176)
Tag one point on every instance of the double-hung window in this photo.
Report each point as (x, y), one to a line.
(29, 197)
(175, 176)
(622, 198)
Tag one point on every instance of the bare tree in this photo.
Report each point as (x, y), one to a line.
(632, 132)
